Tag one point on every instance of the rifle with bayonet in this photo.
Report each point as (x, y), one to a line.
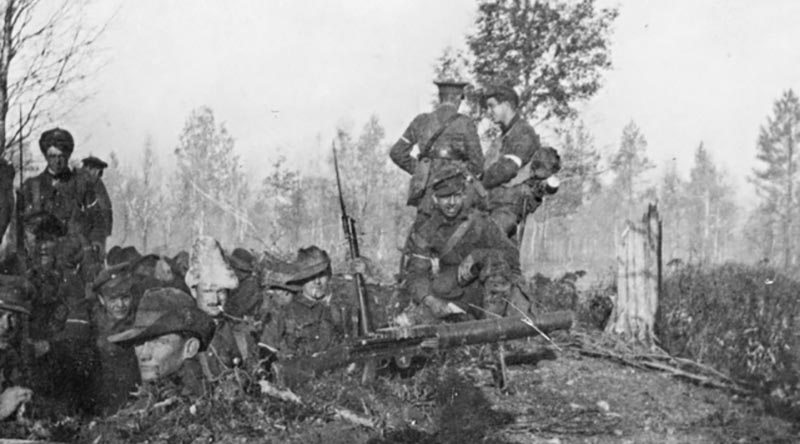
(349, 227)
(22, 257)
(418, 340)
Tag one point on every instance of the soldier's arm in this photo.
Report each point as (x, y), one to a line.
(473, 148)
(518, 149)
(401, 151)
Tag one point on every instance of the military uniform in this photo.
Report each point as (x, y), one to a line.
(14, 353)
(458, 144)
(437, 247)
(302, 327)
(100, 215)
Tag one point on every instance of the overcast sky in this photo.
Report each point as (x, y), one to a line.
(284, 74)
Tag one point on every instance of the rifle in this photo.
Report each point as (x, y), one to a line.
(20, 228)
(349, 227)
(423, 339)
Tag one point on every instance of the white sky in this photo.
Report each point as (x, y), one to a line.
(284, 73)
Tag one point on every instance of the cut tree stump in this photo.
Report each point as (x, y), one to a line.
(638, 279)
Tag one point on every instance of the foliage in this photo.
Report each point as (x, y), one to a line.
(739, 319)
(776, 178)
(555, 51)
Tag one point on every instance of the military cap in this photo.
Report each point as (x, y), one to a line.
(15, 294)
(450, 86)
(207, 265)
(448, 181)
(241, 260)
(311, 261)
(59, 138)
(501, 93)
(114, 280)
(118, 255)
(167, 310)
(94, 162)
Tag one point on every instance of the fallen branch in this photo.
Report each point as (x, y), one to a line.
(269, 389)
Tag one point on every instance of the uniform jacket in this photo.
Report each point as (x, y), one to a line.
(518, 141)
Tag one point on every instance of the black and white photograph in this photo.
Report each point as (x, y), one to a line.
(399, 221)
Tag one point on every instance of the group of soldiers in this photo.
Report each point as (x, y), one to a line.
(460, 256)
(86, 327)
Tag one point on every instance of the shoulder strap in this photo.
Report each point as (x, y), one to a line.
(439, 132)
(457, 235)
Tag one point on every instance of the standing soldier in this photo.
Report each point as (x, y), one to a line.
(101, 217)
(517, 143)
(443, 137)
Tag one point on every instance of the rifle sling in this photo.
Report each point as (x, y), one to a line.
(439, 132)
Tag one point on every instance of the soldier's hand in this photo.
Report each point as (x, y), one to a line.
(358, 265)
(12, 398)
(465, 269)
(437, 306)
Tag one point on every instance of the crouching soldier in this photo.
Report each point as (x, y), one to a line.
(309, 321)
(446, 253)
(14, 376)
(211, 280)
(118, 371)
(167, 334)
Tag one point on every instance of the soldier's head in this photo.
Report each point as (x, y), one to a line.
(451, 91)
(57, 144)
(168, 329)
(545, 163)
(241, 261)
(94, 166)
(502, 103)
(314, 272)
(209, 277)
(449, 191)
(114, 289)
(14, 305)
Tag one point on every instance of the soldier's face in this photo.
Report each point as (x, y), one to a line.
(450, 205)
(117, 306)
(9, 323)
(317, 288)
(499, 112)
(56, 160)
(160, 356)
(210, 299)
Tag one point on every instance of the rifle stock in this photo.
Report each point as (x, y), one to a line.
(422, 339)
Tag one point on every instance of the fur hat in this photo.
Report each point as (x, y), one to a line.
(207, 266)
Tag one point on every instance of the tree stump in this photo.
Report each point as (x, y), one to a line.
(638, 279)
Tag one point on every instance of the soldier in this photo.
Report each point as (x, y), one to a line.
(448, 252)
(101, 216)
(517, 143)
(211, 280)
(14, 306)
(310, 321)
(118, 370)
(443, 137)
(168, 332)
(509, 205)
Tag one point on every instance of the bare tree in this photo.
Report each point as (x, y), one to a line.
(46, 51)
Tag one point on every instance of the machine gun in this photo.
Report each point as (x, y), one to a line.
(423, 339)
(349, 227)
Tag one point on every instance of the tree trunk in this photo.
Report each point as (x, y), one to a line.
(638, 279)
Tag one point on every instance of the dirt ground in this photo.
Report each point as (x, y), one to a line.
(562, 397)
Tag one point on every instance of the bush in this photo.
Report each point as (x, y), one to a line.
(739, 319)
